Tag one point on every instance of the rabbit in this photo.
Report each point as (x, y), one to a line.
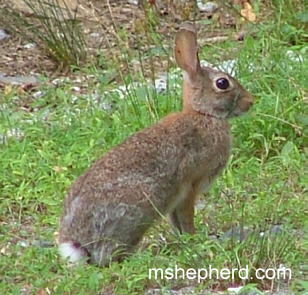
(157, 171)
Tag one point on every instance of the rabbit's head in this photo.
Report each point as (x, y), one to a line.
(206, 90)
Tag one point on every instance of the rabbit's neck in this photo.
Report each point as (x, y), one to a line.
(188, 93)
(187, 108)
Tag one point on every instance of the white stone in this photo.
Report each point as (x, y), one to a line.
(208, 7)
(3, 35)
(294, 56)
(29, 45)
(235, 290)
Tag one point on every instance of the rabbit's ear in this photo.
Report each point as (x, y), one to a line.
(186, 49)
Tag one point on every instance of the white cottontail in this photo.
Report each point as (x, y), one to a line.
(157, 171)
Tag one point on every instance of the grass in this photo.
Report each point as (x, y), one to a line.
(263, 185)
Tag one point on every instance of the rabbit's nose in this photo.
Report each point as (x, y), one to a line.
(245, 103)
(247, 96)
(249, 102)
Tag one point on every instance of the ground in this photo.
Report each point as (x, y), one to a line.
(55, 121)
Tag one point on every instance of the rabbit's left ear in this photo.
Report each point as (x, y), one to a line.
(186, 50)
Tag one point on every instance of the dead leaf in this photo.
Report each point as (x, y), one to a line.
(26, 289)
(58, 169)
(56, 237)
(42, 292)
(5, 250)
(247, 12)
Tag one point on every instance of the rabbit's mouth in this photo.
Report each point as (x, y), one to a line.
(227, 108)
(242, 106)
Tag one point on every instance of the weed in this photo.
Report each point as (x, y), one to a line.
(53, 27)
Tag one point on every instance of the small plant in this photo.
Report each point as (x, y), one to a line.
(53, 27)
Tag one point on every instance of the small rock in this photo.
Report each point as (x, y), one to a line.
(76, 89)
(74, 98)
(43, 244)
(200, 205)
(3, 107)
(161, 83)
(106, 106)
(5, 249)
(273, 231)
(236, 233)
(29, 45)
(209, 7)
(37, 94)
(25, 290)
(16, 133)
(133, 2)
(24, 244)
(122, 90)
(77, 80)
(94, 97)
(175, 74)
(294, 56)
(121, 93)
(213, 237)
(276, 229)
(12, 133)
(59, 81)
(235, 290)
(19, 80)
(94, 35)
(3, 35)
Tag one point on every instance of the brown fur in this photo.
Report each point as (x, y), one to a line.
(159, 170)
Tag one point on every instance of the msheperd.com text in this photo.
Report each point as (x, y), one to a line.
(211, 273)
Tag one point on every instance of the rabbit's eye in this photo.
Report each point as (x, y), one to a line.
(222, 83)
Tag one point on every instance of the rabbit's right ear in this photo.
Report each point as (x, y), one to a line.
(186, 49)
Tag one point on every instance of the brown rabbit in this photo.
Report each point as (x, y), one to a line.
(157, 171)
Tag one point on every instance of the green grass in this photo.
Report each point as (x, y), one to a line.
(263, 185)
